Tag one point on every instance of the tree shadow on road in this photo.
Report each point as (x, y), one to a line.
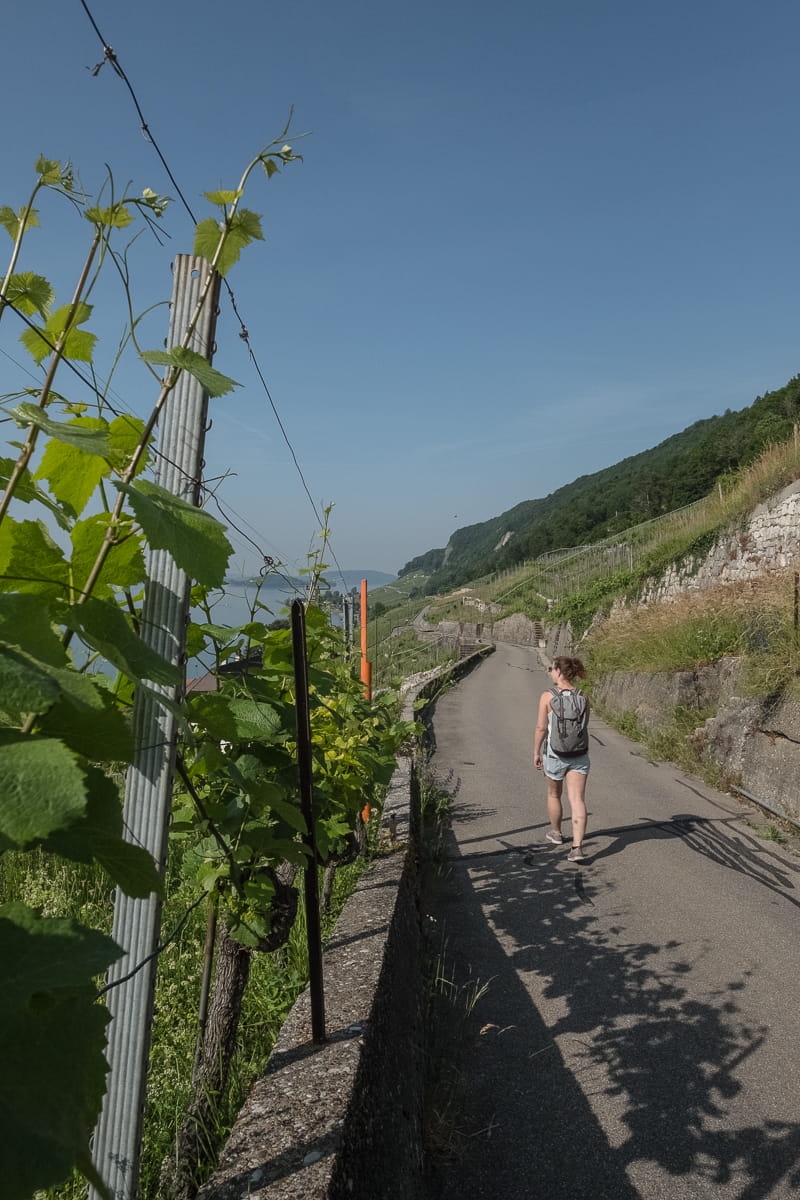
(711, 837)
(615, 1031)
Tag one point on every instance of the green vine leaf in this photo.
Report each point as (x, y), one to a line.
(243, 228)
(75, 458)
(87, 434)
(125, 434)
(26, 622)
(30, 294)
(53, 1031)
(254, 720)
(12, 222)
(63, 954)
(79, 343)
(124, 567)
(25, 686)
(81, 452)
(215, 383)
(86, 719)
(52, 174)
(222, 198)
(102, 625)
(26, 491)
(211, 710)
(30, 561)
(194, 538)
(42, 787)
(116, 217)
(98, 836)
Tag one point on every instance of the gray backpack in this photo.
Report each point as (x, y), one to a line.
(569, 733)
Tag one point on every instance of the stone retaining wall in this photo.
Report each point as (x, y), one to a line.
(755, 741)
(769, 542)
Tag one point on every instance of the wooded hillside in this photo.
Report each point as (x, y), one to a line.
(677, 471)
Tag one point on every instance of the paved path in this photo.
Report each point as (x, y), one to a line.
(625, 1028)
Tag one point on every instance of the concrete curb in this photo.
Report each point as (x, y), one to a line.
(344, 1120)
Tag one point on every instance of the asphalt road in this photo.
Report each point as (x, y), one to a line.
(628, 1027)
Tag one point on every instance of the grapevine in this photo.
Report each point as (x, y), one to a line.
(77, 516)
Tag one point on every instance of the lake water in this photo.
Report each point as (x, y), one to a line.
(233, 606)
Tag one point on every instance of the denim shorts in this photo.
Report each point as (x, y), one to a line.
(556, 767)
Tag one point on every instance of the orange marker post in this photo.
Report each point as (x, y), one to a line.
(366, 666)
(366, 674)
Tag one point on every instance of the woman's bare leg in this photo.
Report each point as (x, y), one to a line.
(576, 791)
(554, 810)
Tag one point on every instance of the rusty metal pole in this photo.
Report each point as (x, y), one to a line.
(311, 890)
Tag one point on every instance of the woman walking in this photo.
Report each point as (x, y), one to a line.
(561, 750)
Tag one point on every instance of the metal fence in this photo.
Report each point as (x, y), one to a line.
(558, 573)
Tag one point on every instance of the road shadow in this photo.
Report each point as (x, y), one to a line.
(715, 838)
(508, 1109)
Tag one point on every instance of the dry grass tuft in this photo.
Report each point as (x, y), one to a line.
(753, 620)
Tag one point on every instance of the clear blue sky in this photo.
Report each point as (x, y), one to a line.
(526, 241)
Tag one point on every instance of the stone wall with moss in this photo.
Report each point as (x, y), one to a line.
(754, 743)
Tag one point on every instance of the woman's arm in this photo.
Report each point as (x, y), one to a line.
(541, 729)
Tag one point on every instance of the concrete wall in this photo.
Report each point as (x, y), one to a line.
(343, 1119)
(518, 629)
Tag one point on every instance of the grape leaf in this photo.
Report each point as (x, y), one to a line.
(103, 626)
(194, 538)
(116, 217)
(212, 712)
(73, 464)
(124, 566)
(254, 720)
(52, 1036)
(244, 227)
(87, 719)
(51, 172)
(11, 221)
(222, 197)
(89, 434)
(215, 383)
(78, 344)
(125, 434)
(98, 835)
(30, 561)
(30, 293)
(25, 621)
(25, 686)
(25, 490)
(42, 787)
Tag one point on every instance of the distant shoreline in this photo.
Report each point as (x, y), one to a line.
(272, 582)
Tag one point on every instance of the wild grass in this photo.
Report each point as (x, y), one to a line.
(276, 979)
(771, 833)
(753, 621)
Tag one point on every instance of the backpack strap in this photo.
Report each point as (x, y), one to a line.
(558, 713)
